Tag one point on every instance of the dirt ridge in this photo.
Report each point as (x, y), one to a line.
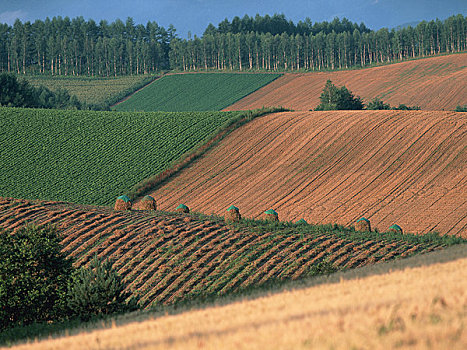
(433, 83)
(404, 167)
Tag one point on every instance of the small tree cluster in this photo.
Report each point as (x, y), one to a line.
(38, 283)
(34, 276)
(378, 104)
(333, 98)
(19, 93)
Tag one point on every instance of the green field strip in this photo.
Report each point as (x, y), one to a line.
(195, 92)
(92, 157)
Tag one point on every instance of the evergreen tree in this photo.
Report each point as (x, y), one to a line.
(97, 290)
(60, 46)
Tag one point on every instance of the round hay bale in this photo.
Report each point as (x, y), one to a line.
(123, 203)
(233, 214)
(302, 222)
(395, 228)
(270, 215)
(182, 208)
(363, 225)
(147, 203)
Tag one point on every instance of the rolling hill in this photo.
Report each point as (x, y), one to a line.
(92, 157)
(166, 257)
(92, 90)
(364, 308)
(404, 167)
(433, 83)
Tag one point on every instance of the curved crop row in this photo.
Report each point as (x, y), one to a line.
(93, 157)
(165, 258)
(404, 167)
(434, 83)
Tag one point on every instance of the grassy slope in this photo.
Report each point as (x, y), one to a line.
(195, 92)
(370, 313)
(93, 157)
(91, 90)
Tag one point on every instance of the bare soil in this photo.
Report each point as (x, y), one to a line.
(391, 167)
(434, 83)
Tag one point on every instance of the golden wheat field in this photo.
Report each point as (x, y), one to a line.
(402, 304)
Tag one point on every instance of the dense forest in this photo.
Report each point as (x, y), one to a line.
(63, 46)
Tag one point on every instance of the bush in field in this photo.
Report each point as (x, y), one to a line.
(97, 290)
(461, 108)
(378, 104)
(403, 107)
(333, 98)
(34, 275)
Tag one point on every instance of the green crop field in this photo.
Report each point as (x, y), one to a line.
(93, 157)
(195, 92)
(92, 90)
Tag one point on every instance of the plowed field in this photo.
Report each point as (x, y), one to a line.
(164, 258)
(404, 167)
(434, 83)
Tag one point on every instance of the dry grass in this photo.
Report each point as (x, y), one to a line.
(374, 308)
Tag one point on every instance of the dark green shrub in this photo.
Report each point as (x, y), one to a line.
(34, 275)
(333, 98)
(19, 93)
(461, 108)
(97, 290)
(378, 104)
(403, 107)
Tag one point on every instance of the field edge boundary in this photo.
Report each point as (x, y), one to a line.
(138, 88)
(279, 75)
(154, 182)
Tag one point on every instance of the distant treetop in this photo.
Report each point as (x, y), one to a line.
(278, 24)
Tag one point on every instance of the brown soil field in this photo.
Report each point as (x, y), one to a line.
(403, 167)
(409, 308)
(434, 83)
(165, 258)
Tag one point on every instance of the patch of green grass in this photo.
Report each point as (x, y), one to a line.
(288, 228)
(92, 90)
(195, 92)
(92, 157)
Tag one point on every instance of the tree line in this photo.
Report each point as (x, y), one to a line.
(321, 51)
(61, 46)
(278, 24)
